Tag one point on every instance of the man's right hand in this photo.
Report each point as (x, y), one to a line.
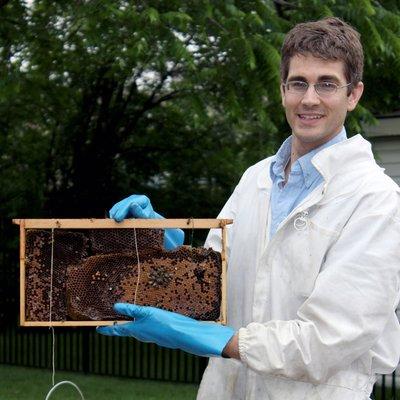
(134, 206)
(139, 206)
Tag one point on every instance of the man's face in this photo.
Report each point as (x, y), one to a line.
(315, 119)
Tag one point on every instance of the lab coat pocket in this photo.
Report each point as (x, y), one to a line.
(306, 255)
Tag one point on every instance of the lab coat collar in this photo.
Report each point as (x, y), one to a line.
(329, 162)
(264, 181)
(338, 158)
(308, 171)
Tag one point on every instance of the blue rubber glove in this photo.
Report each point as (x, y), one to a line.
(139, 206)
(169, 329)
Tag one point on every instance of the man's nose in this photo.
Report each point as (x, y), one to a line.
(310, 97)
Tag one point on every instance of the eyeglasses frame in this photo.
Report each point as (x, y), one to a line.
(315, 88)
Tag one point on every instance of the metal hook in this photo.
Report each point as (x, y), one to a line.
(301, 222)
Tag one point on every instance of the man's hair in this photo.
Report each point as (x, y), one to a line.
(329, 39)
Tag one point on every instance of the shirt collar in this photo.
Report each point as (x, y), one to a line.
(278, 164)
(309, 172)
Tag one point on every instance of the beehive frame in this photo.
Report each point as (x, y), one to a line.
(191, 223)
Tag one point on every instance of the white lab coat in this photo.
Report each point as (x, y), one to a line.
(315, 306)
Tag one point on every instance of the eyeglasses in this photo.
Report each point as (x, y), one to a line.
(322, 88)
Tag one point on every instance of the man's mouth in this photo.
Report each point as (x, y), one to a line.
(310, 116)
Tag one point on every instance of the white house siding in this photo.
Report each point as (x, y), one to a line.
(385, 139)
(387, 154)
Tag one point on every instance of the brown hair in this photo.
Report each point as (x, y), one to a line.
(329, 39)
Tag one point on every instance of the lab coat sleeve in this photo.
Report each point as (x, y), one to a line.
(354, 296)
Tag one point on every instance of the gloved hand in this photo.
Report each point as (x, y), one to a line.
(139, 206)
(169, 329)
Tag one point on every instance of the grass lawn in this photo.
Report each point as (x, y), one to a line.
(18, 383)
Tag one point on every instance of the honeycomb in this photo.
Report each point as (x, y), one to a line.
(105, 241)
(94, 268)
(185, 280)
(69, 248)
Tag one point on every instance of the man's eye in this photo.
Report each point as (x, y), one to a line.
(297, 85)
(327, 85)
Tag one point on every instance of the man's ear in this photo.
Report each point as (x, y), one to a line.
(282, 94)
(354, 96)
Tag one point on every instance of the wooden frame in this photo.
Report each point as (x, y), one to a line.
(191, 223)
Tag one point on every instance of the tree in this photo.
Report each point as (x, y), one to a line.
(174, 99)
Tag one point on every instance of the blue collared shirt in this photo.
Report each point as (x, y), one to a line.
(302, 180)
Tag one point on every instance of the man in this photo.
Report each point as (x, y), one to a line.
(314, 256)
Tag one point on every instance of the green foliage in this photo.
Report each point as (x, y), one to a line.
(100, 99)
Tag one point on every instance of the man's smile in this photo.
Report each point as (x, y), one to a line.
(310, 116)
